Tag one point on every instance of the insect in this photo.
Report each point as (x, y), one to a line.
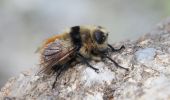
(77, 44)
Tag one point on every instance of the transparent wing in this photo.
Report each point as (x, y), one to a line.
(55, 53)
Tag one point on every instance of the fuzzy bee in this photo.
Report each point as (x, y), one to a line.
(77, 44)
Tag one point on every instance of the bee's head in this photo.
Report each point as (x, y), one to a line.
(100, 38)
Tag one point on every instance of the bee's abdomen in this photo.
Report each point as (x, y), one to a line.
(52, 39)
(75, 36)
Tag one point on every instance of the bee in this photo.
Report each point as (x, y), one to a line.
(76, 44)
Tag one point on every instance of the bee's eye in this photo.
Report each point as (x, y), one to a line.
(99, 37)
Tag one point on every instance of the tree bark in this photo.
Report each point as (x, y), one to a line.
(148, 59)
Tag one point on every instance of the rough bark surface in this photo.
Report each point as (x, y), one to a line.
(148, 59)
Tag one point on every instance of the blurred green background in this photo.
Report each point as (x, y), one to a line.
(24, 24)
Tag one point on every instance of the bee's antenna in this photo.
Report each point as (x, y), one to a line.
(117, 65)
(116, 50)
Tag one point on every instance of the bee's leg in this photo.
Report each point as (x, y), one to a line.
(116, 64)
(62, 69)
(84, 60)
(57, 75)
(116, 50)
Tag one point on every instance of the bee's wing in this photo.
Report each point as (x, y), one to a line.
(55, 53)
